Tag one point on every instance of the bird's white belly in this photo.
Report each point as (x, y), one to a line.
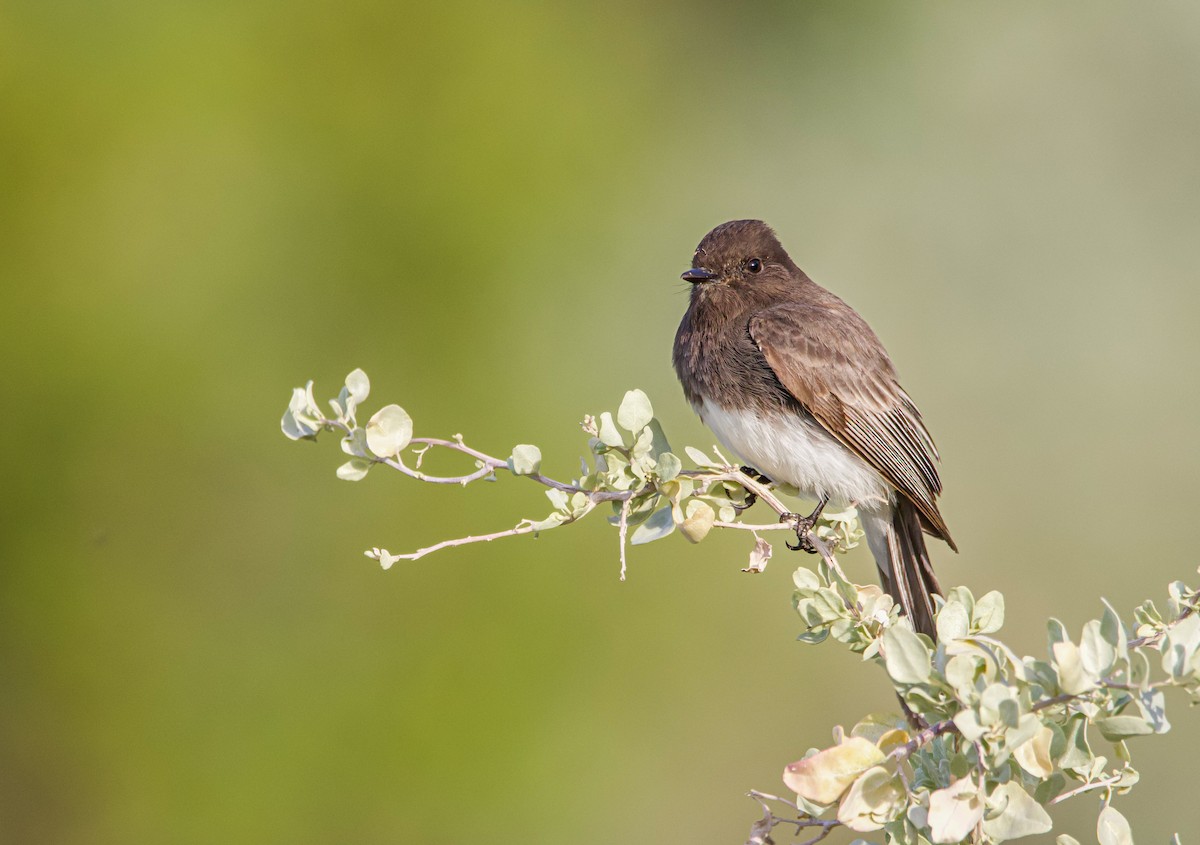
(795, 449)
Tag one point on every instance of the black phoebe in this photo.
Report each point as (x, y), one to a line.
(793, 380)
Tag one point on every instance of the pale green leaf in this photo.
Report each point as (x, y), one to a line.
(658, 443)
(358, 385)
(389, 431)
(609, 434)
(970, 725)
(699, 458)
(875, 726)
(954, 812)
(988, 615)
(295, 428)
(1050, 788)
(1113, 631)
(525, 460)
(1025, 728)
(1116, 728)
(353, 470)
(1019, 814)
(642, 454)
(963, 596)
(961, 671)
(655, 528)
(1034, 755)
(552, 521)
(875, 798)
(558, 498)
(354, 444)
(805, 579)
(1077, 756)
(1180, 646)
(1073, 677)
(993, 697)
(905, 655)
(1153, 706)
(386, 559)
(953, 622)
(1097, 654)
(302, 418)
(635, 412)
(1112, 828)
(669, 466)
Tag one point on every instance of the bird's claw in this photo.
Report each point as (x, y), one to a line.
(751, 498)
(801, 525)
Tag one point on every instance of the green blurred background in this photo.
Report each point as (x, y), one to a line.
(487, 207)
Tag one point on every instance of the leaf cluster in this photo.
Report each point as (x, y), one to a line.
(992, 739)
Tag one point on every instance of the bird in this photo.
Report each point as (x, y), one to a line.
(794, 382)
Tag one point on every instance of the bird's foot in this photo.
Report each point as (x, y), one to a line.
(751, 498)
(802, 525)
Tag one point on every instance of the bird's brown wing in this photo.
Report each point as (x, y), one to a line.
(831, 362)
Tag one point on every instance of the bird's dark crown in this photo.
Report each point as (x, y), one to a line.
(728, 250)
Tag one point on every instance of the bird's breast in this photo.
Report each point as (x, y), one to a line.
(789, 445)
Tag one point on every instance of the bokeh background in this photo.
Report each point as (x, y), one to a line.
(487, 207)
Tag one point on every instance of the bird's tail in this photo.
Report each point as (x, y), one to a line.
(898, 544)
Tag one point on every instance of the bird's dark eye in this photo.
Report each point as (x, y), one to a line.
(753, 265)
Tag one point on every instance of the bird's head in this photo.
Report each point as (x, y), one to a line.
(739, 253)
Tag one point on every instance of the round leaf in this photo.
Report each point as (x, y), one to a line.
(954, 812)
(1021, 815)
(525, 460)
(873, 800)
(906, 657)
(699, 521)
(389, 431)
(635, 412)
(669, 466)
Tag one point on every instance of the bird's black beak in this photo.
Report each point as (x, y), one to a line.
(698, 274)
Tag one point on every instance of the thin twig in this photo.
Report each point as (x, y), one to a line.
(623, 531)
(744, 526)
(903, 752)
(766, 796)
(1062, 698)
(464, 541)
(760, 831)
(1187, 611)
(1104, 783)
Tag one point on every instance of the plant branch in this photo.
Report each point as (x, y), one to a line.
(760, 831)
(464, 541)
(1103, 783)
(623, 532)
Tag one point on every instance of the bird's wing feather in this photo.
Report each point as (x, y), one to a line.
(844, 378)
